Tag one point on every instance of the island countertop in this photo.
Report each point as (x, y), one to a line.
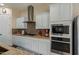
(13, 51)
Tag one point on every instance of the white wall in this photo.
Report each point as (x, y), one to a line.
(8, 11)
(37, 10)
(75, 10)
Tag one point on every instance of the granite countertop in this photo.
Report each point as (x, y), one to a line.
(13, 51)
(35, 36)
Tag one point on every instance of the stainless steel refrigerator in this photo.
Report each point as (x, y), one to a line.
(76, 35)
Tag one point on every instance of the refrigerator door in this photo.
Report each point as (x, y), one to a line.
(78, 33)
(76, 36)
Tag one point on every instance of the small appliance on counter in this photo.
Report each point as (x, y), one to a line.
(47, 33)
(40, 33)
(23, 32)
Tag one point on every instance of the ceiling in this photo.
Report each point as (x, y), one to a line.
(22, 6)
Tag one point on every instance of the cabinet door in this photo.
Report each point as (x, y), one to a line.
(65, 12)
(44, 47)
(20, 22)
(17, 41)
(3, 39)
(5, 29)
(60, 12)
(54, 12)
(45, 20)
(24, 42)
(35, 45)
(42, 21)
(38, 22)
(28, 43)
(5, 25)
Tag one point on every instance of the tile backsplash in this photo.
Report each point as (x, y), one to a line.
(18, 31)
(41, 32)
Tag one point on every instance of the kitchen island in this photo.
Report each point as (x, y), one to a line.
(12, 50)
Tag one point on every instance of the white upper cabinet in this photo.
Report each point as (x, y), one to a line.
(20, 22)
(60, 12)
(42, 21)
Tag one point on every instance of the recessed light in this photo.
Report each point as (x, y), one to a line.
(2, 4)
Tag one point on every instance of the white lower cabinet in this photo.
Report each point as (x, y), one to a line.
(28, 46)
(36, 46)
(17, 41)
(41, 46)
(44, 47)
(23, 42)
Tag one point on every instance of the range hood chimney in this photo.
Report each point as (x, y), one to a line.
(31, 23)
(30, 13)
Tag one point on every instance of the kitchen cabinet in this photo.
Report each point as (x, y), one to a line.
(35, 45)
(23, 42)
(44, 46)
(41, 46)
(20, 22)
(5, 29)
(28, 43)
(18, 41)
(42, 20)
(60, 12)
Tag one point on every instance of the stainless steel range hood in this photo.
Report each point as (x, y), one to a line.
(30, 15)
(31, 23)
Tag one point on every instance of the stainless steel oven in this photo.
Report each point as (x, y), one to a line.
(59, 45)
(61, 37)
